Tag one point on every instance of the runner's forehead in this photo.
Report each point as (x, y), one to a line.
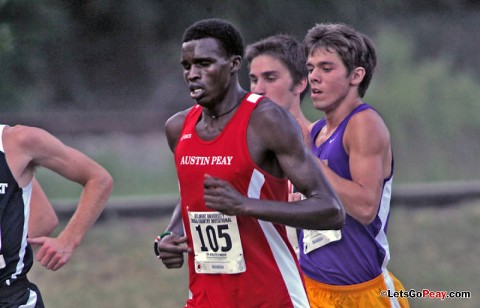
(202, 48)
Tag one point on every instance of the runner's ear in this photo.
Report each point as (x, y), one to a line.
(300, 87)
(357, 75)
(235, 64)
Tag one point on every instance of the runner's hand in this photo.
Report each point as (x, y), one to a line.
(221, 196)
(171, 250)
(53, 253)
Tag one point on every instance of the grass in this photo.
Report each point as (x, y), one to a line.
(432, 248)
(437, 249)
(114, 267)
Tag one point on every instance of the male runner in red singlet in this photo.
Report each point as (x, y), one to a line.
(234, 152)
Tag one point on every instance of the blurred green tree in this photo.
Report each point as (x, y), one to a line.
(431, 109)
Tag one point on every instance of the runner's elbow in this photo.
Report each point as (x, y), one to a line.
(333, 218)
(338, 217)
(105, 181)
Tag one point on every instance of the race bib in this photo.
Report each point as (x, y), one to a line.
(314, 239)
(216, 243)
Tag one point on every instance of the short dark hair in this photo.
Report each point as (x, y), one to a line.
(285, 48)
(354, 48)
(226, 33)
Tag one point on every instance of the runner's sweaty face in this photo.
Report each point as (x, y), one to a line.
(329, 79)
(206, 70)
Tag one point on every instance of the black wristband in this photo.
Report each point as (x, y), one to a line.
(158, 239)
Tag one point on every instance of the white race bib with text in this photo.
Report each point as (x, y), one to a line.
(314, 239)
(216, 243)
